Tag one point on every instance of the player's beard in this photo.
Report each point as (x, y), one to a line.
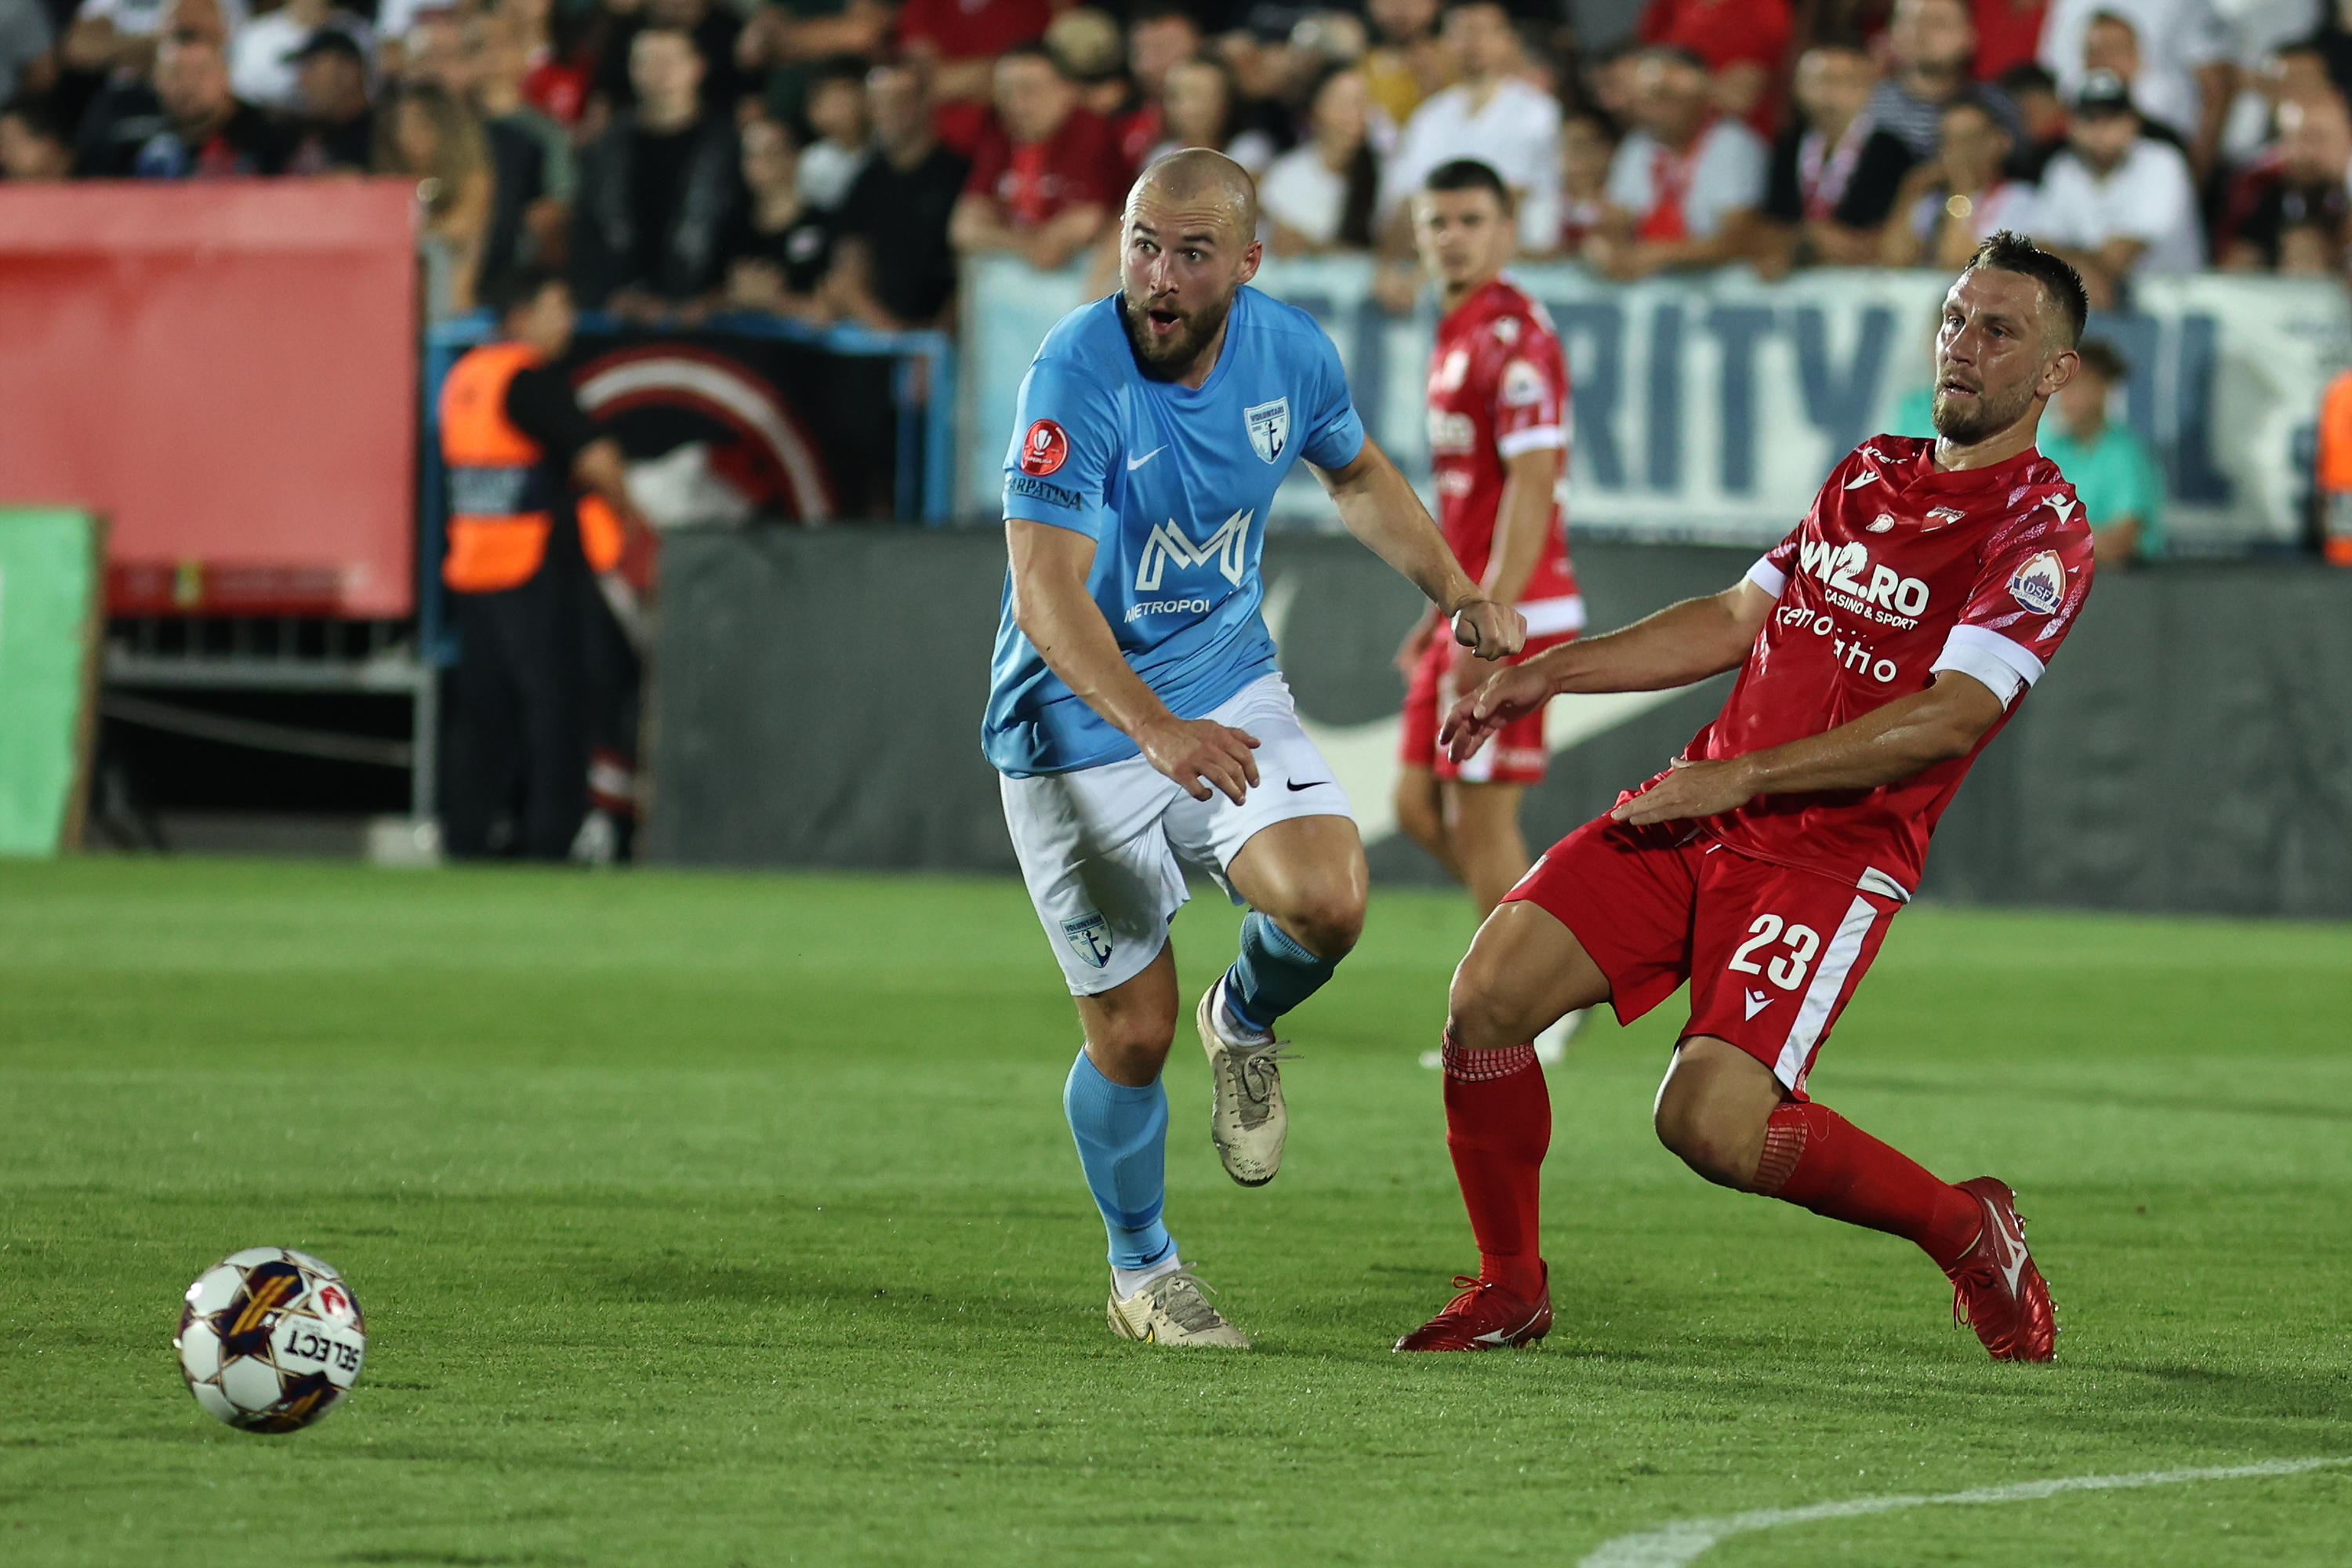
(1170, 360)
(1965, 427)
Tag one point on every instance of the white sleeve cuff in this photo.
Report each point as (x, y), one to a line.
(1535, 439)
(2005, 668)
(1769, 577)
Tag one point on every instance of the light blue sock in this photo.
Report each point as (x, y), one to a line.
(1272, 974)
(1122, 1136)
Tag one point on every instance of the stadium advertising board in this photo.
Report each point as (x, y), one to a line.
(1708, 409)
(227, 373)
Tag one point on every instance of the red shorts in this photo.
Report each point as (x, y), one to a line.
(1514, 754)
(1772, 953)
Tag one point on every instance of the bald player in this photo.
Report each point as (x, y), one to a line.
(1134, 707)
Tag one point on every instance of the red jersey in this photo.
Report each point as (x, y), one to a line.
(1899, 570)
(1498, 387)
(1078, 164)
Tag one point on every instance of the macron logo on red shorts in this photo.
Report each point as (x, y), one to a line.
(1045, 449)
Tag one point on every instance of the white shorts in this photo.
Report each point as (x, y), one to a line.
(1104, 848)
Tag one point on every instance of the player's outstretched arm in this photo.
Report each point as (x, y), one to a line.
(1062, 621)
(1884, 745)
(1680, 644)
(1381, 510)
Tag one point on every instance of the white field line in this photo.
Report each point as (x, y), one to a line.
(1676, 1544)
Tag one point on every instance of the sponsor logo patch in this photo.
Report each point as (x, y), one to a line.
(2040, 585)
(1523, 384)
(1168, 546)
(1038, 490)
(1884, 523)
(1943, 516)
(1045, 448)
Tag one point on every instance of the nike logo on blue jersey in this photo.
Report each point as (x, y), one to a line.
(1135, 463)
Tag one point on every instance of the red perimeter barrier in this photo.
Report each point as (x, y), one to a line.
(228, 371)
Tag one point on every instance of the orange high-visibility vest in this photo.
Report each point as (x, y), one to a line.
(500, 510)
(2335, 435)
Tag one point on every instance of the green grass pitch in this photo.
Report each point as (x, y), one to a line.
(732, 1220)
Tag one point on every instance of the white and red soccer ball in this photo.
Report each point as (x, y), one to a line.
(271, 1338)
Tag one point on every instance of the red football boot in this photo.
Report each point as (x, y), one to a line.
(1996, 1289)
(1485, 1317)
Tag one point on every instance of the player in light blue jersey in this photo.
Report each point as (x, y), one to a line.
(1134, 708)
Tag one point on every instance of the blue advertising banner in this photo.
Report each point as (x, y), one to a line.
(1707, 409)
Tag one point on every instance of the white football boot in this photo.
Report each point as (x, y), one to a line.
(1171, 1311)
(1246, 1119)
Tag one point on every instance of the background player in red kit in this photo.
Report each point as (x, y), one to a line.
(1879, 647)
(1497, 442)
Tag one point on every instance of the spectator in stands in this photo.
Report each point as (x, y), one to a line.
(426, 132)
(336, 127)
(1200, 109)
(958, 42)
(784, 39)
(1089, 47)
(535, 170)
(197, 130)
(1047, 178)
(714, 25)
(1743, 43)
(1930, 44)
(893, 267)
(1491, 115)
(831, 162)
(2184, 78)
(1587, 144)
(33, 145)
(554, 81)
(1321, 194)
(1406, 63)
(1961, 198)
(657, 190)
(2040, 127)
(2295, 212)
(1685, 187)
(2008, 32)
(25, 37)
(2110, 43)
(266, 54)
(2107, 463)
(126, 35)
(1162, 35)
(2116, 202)
(780, 248)
(1834, 179)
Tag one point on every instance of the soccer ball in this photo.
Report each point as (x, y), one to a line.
(270, 1339)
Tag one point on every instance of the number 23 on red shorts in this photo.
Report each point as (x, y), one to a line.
(1772, 952)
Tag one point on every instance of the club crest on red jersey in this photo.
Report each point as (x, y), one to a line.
(2040, 583)
(1045, 450)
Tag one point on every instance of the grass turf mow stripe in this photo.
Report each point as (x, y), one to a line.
(705, 1221)
(1688, 1540)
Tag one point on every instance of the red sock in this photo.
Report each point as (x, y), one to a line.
(1818, 1160)
(1499, 1128)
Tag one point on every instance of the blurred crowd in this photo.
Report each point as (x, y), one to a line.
(829, 160)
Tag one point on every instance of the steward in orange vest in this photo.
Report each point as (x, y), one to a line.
(522, 570)
(2335, 470)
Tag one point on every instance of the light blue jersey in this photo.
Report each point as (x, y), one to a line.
(1174, 485)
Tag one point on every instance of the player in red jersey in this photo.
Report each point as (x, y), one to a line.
(1879, 647)
(1498, 441)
